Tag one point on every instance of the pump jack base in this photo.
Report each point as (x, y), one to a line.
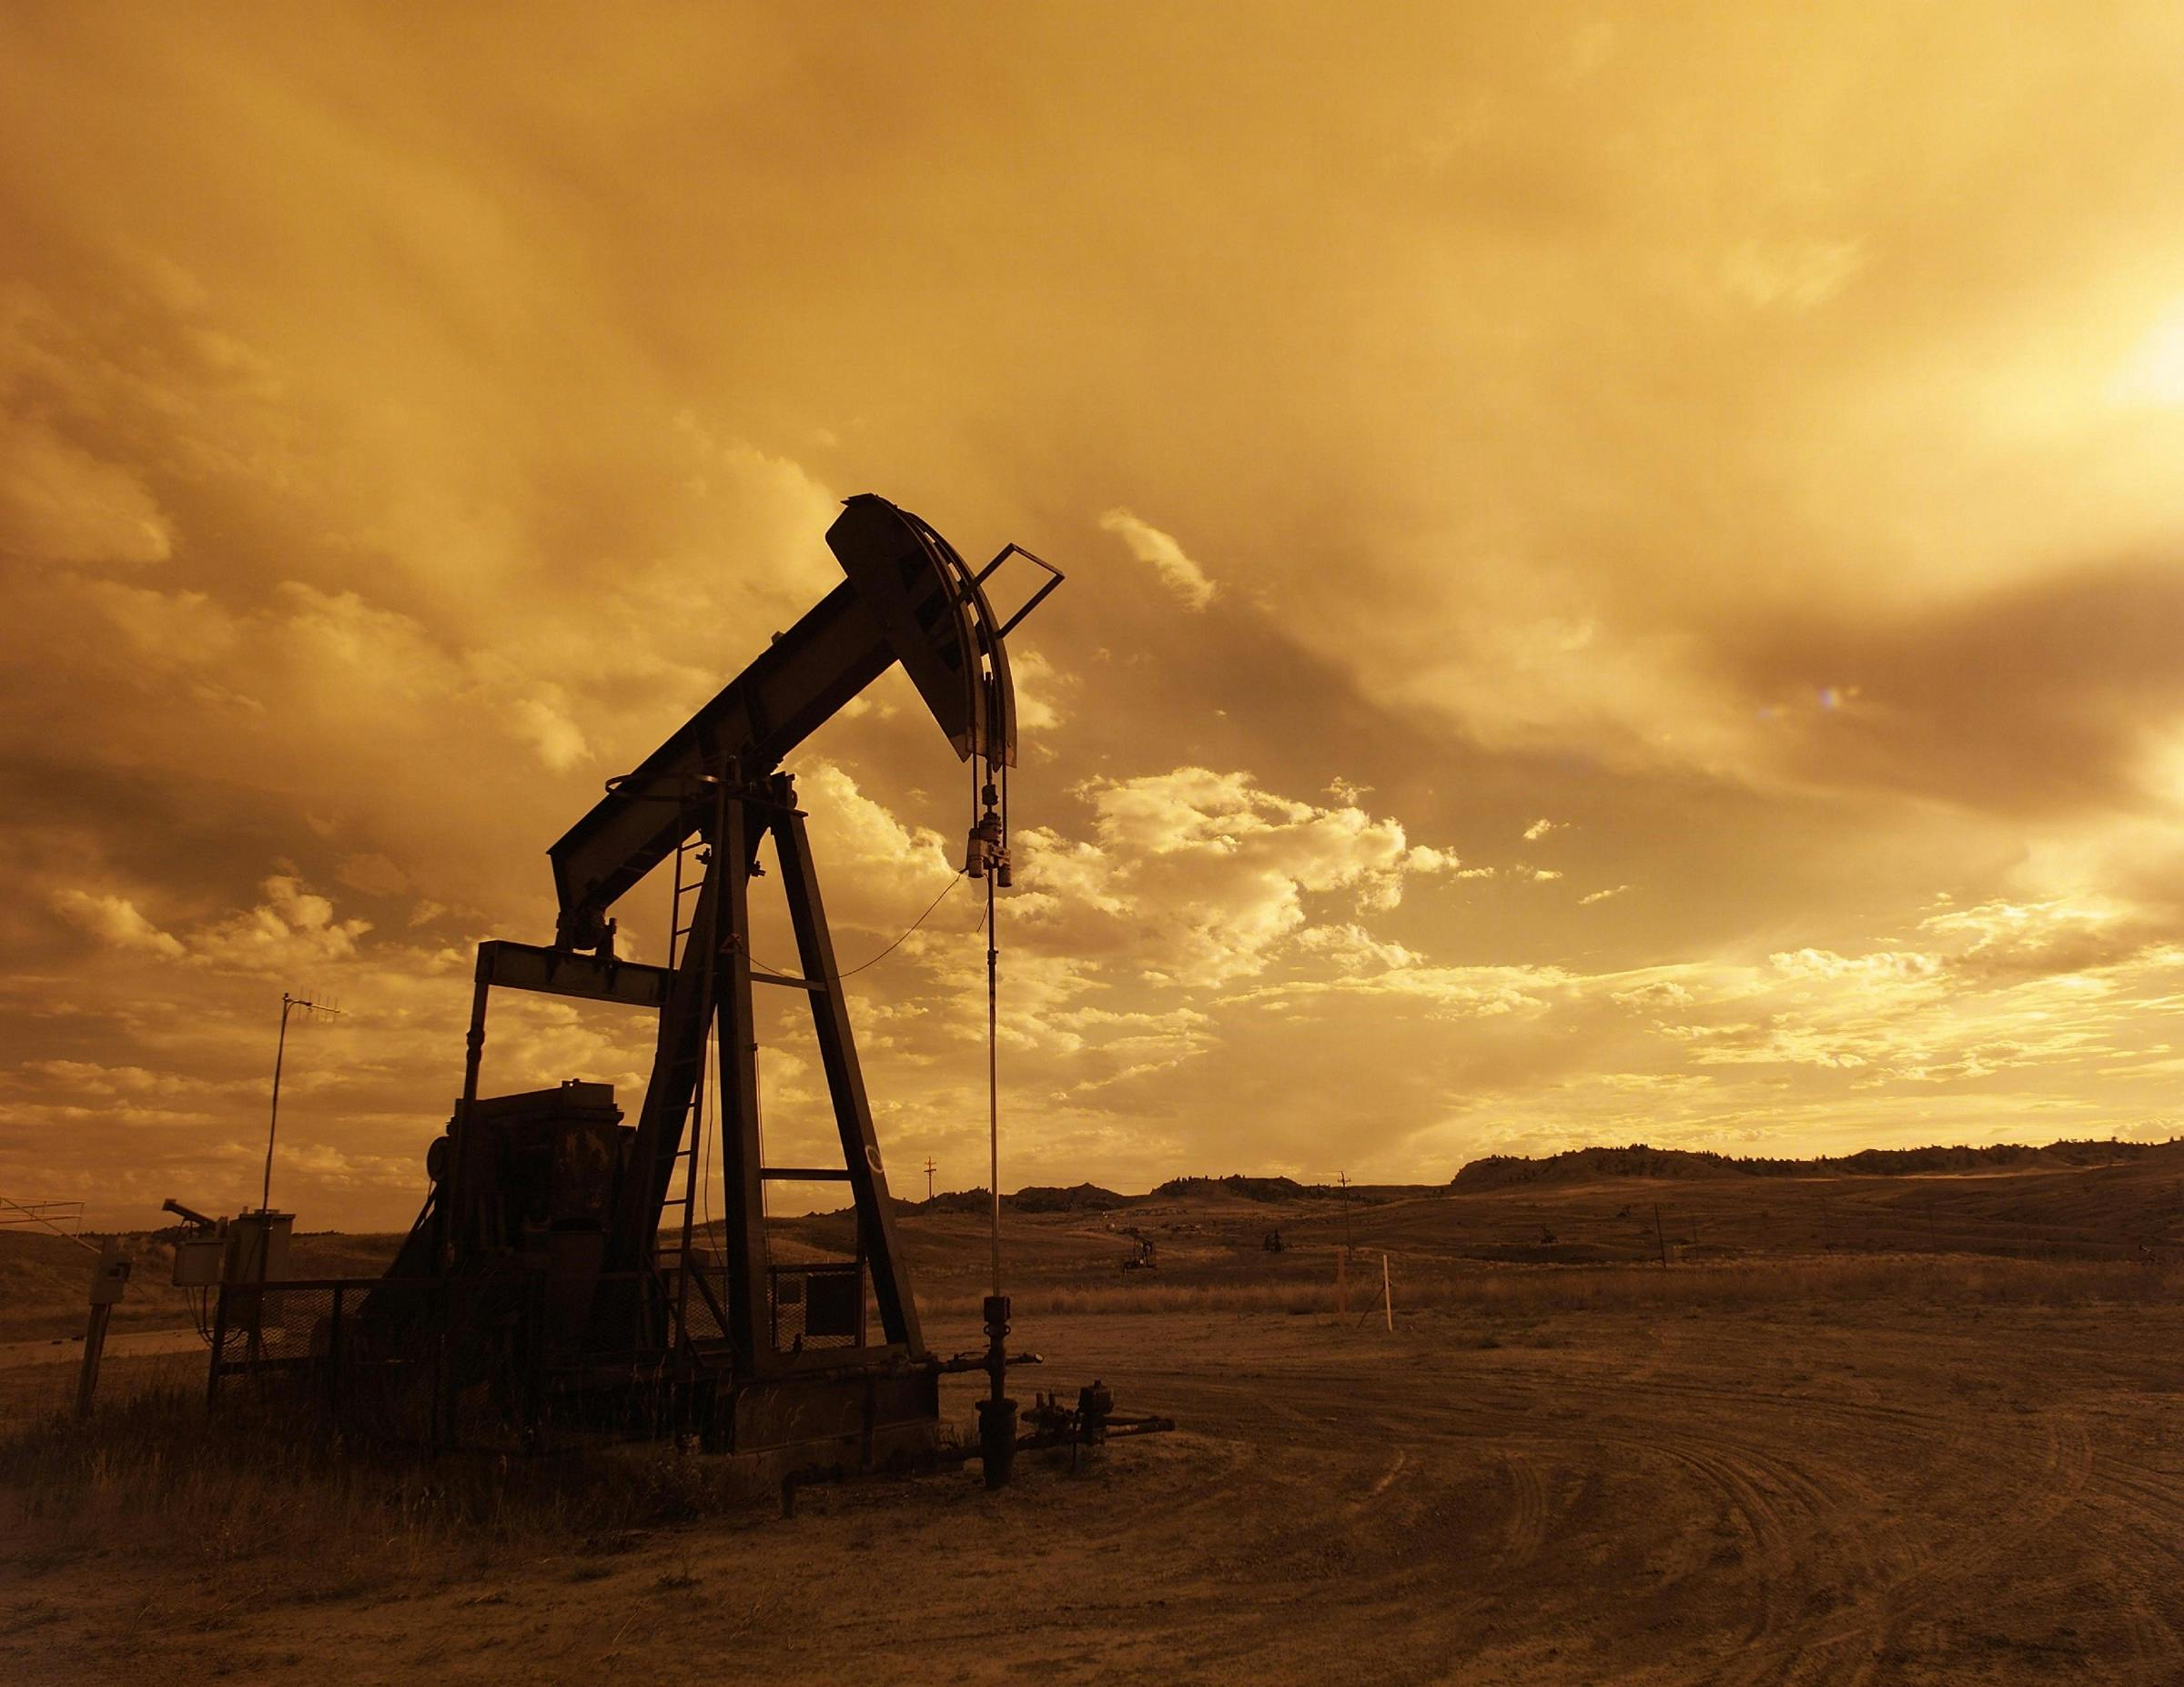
(864, 1423)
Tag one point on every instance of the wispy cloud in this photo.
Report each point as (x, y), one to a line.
(1147, 543)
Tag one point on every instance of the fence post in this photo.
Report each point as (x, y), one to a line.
(95, 1347)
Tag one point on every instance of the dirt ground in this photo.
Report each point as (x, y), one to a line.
(1812, 1493)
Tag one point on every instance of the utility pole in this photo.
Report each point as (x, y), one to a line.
(280, 1049)
(928, 1177)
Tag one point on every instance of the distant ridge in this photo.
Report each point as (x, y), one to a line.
(1251, 1189)
(1501, 1171)
(1574, 1166)
(1037, 1197)
(1090, 1198)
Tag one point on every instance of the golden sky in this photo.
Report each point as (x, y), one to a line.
(1625, 562)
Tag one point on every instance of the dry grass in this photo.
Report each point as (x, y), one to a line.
(264, 1490)
(257, 1491)
(1910, 1279)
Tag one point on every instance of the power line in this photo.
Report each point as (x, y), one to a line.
(883, 954)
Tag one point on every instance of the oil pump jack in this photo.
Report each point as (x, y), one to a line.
(548, 1201)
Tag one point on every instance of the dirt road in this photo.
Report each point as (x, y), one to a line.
(1739, 1500)
(1790, 1495)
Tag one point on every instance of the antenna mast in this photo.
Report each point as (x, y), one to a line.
(280, 1049)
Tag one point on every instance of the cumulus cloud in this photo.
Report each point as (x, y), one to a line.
(1147, 543)
(541, 719)
(1890, 964)
(292, 929)
(855, 836)
(1201, 876)
(114, 920)
(2005, 939)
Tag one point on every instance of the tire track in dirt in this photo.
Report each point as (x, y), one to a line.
(1525, 1531)
(1872, 1626)
(1769, 1496)
(1777, 1500)
(1916, 1519)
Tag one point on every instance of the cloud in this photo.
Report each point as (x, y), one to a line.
(1039, 687)
(1147, 543)
(1825, 964)
(2040, 696)
(1202, 877)
(856, 836)
(1538, 829)
(542, 721)
(292, 930)
(2012, 940)
(114, 920)
(58, 503)
(373, 874)
(381, 591)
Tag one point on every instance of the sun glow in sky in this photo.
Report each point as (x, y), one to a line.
(2154, 373)
(1625, 562)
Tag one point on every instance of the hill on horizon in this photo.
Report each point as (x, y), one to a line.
(1593, 1164)
(1502, 1171)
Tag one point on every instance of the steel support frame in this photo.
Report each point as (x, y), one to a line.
(844, 1077)
(746, 818)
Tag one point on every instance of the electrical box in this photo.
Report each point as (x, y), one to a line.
(198, 1259)
(257, 1247)
(110, 1276)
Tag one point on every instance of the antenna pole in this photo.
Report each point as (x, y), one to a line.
(280, 1050)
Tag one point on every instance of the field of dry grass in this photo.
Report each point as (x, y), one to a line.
(1807, 1462)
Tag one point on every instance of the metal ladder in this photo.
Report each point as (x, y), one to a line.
(691, 856)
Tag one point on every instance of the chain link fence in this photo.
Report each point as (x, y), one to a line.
(515, 1363)
(521, 1362)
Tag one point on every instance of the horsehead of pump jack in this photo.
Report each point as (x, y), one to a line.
(908, 597)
